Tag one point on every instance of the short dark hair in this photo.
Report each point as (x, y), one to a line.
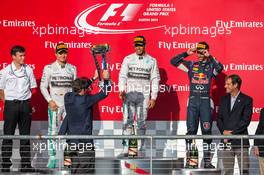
(16, 49)
(79, 84)
(235, 80)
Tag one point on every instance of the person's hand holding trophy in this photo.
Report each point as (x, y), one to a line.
(101, 50)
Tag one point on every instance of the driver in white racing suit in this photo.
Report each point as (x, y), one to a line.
(55, 83)
(138, 86)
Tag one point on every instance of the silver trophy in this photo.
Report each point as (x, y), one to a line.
(100, 49)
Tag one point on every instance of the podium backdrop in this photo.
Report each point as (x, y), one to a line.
(233, 29)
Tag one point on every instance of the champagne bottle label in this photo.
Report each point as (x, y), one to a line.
(132, 150)
(67, 159)
(67, 162)
(194, 159)
(132, 145)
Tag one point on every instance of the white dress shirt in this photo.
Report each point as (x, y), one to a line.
(17, 84)
(233, 100)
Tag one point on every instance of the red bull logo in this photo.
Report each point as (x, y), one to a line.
(200, 81)
(196, 75)
(200, 75)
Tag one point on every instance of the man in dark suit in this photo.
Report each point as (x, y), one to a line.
(234, 116)
(259, 143)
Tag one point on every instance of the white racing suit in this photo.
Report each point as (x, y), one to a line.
(139, 78)
(55, 83)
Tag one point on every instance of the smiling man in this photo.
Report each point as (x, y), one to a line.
(234, 116)
(138, 86)
(16, 83)
(55, 83)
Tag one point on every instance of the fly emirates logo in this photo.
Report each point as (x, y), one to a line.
(115, 18)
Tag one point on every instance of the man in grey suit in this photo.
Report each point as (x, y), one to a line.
(233, 118)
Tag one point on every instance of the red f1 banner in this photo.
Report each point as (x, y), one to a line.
(233, 30)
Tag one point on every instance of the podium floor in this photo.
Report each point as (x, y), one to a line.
(139, 165)
(196, 172)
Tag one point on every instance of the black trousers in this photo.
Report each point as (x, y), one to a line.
(83, 160)
(16, 113)
(199, 108)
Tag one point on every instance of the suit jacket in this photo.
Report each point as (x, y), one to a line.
(237, 119)
(79, 114)
(260, 131)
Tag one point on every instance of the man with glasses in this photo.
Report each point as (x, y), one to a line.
(200, 105)
(138, 86)
(16, 82)
(55, 83)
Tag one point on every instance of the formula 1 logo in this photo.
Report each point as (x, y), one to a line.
(128, 14)
(111, 21)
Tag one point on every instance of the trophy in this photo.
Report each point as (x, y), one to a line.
(100, 49)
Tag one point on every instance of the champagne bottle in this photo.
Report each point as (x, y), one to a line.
(67, 160)
(194, 155)
(132, 145)
(67, 166)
